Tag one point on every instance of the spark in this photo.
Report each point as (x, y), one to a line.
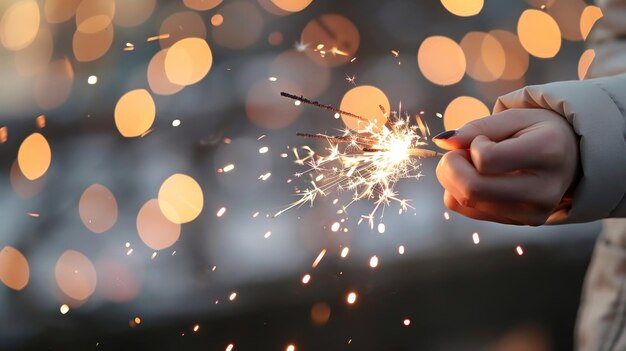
(374, 261)
(291, 348)
(154, 255)
(351, 298)
(272, 79)
(226, 168)
(267, 235)
(265, 176)
(127, 244)
(446, 215)
(300, 46)
(129, 47)
(263, 150)
(344, 252)
(381, 228)
(439, 115)
(406, 322)
(176, 123)
(476, 238)
(335, 226)
(401, 249)
(318, 258)
(221, 212)
(261, 137)
(395, 53)
(129, 252)
(519, 250)
(92, 80)
(232, 296)
(306, 279)
(230, 347)
(367, 163)
(255, 214)
(283, 155)
(157, 37)
(35, 215)
(196, 328)
(351, 80)
(64, 309)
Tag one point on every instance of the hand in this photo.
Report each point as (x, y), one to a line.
(513, 167)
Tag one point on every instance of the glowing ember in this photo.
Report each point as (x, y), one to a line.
(519, 250)
(221, 212)
(318, 258)
(374, 261)
(368, 162)
(476, 238)
(344, 252)
(64, 308)
(232, 296)
(306, 279)
(351, 298)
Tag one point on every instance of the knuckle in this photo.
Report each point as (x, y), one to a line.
(485, 159)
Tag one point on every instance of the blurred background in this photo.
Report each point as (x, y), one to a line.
(108, 105)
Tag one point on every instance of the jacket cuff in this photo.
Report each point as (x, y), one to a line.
(595, 109)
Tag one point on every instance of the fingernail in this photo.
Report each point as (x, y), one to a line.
(445, 135)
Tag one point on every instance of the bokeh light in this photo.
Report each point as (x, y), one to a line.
(292, 5)
(117, 281)
(232, 34)
(539, 33)
(134, 113)
(591, 14)
(75, 275)
(188, 61)
(131, 13)
(270, 7)
(54, 85)
(586, 59)
(180, 198)
(463, 109)
(275, 38)
(320, 313)
(35, 57)
(22, 186)
(201, 5)
(441, 60)
(332, 40)
(516, 61)
(154, 229)
(217, 20)
(59, 11)
(181, 25)
(34, 156)
(267, 109)
(365, 101)
(90, 46)
(484, 55)
(97, 208)
(157, 78)
(567, 14)
(94, 15)
(297, 69)
(19, 24)
(463, 8)
(14, 268)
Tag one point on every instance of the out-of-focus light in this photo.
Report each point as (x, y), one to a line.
(64, 309)
(201, 5)
(351, 298)
(291, 348)
(58, 11)
(176, 123)
(381, 228)
(19, 24)
(232, 34)
(476, 238)
(180, 198)
(14, 268)
(133, 13)
(374, 261)
(441, 60)
(92, 80)
(306, 279)
(217, 20)
(345, 251)
(221, 212)
(181, 25)
(134, 113)
(97, 208)
(485, 56)
(446, 216)
(320, 313)
(275, 38)
(292, 5)
(338, 35)
(263, 150)
(40, 121)
(365, 101)
(591, 14)
(463, 109)
(335, 226)
(406, 322)
(516, 62)
(586, 59)
(34, 156)
(188, 61)
(519, 250)
(75, 275)
(137, 320)
(463, 8)
(154, 229)
(157, 78)
(401, 249)
(539, 33)
(232, 296)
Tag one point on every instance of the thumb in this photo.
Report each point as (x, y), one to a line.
(496, 127)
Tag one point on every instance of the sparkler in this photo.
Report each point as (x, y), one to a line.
(368, 163)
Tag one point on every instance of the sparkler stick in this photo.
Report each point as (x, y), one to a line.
(317, 104)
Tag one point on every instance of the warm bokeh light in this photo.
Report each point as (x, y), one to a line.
(35, 57)
(275, 38)
(4, 134)
(232, 34)
(130, 13)
(75, 275)
(296, 68)
(270, 7)
(14, 269)
(217, 20)
(462, 110)
(320, 313)
(58, 11)
(332, 40)
(97, 208)
(463, 8)
(134, 113)
(24, 187)
(292, 5)
(154, 229)
(117, 281)
(201, 5)
(94, 15)
(484, 56)
(90, 46)
(267, 109)
(539, 33)
(34, 156)
(54, 85)
(181, 25)
(19, 24)
(180, 198)
(441, 60)
(157, 78)
(591, 14)
(364, 101)
(188, 61)
(586, 59)
(567, 14)
(516, 61)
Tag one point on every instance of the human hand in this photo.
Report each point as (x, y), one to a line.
(513, 167)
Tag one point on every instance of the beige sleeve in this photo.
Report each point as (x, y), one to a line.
(597, 111)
